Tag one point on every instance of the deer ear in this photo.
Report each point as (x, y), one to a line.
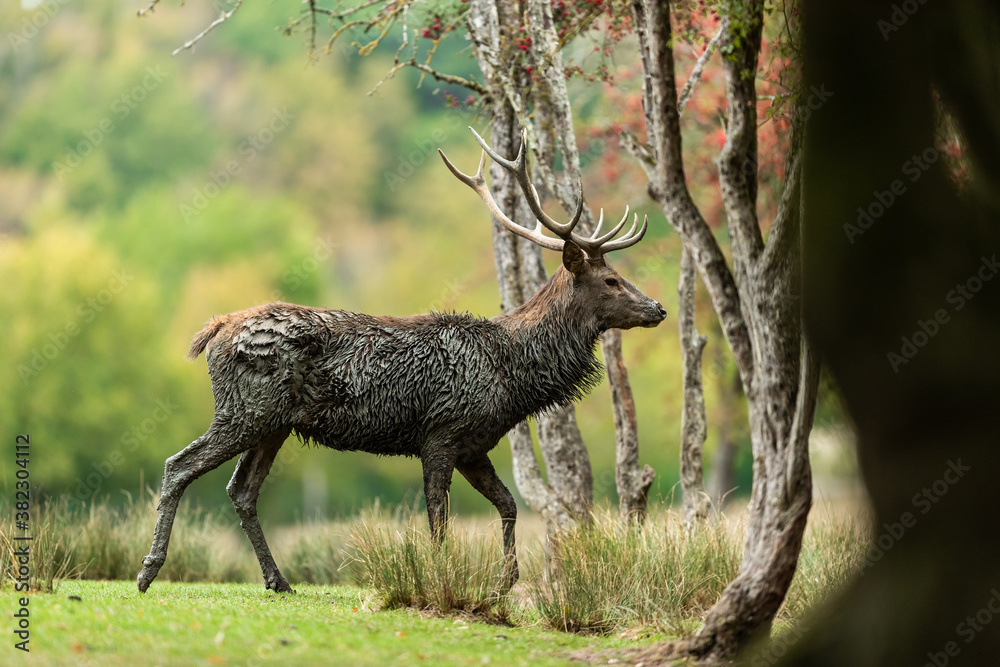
(573, 258)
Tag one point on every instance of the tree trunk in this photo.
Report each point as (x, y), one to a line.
(925, 416)
(757, 307)
(693, 426)
(567, 496)
(633, 482)
(554, 121)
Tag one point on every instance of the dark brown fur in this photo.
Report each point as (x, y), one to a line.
(441, 387)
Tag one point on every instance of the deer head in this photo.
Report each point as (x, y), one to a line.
(614, 302)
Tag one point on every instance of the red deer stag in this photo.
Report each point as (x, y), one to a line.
(441, 387)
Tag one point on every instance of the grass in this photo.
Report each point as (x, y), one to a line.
(398, 559)
(241, 624)
(101, 541)
(603, 578)
(599, 586)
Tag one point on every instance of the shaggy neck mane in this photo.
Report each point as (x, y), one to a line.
(554, 336)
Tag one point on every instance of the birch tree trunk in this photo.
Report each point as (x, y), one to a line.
(554, 132)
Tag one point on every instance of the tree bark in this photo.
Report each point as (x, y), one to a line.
(568, 495)
(554, 132)
(757, 305)
(632, 481)
(693, 426)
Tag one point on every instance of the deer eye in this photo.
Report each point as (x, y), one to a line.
(611, 282)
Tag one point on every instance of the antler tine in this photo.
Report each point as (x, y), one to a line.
(515, 166)
(474, 182)
(518, 167)
(629, 239)
(597, 227)
(600, 240)
(478, 184)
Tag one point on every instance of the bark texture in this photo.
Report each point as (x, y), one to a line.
(693, 424)
(567, 495)
(757, 302)
(632, 481)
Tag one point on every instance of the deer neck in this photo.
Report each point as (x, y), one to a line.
(554, 337)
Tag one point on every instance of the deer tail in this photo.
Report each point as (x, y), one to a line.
(203, 337)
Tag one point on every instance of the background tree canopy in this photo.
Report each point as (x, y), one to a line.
(141, 194)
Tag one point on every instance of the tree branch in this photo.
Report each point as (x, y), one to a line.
(785, 228)
(668, 187)
(738, 159)
(798, 472)
(440, 76)
(695, 75)
(147, 10)
(347, 12)
(223, 17)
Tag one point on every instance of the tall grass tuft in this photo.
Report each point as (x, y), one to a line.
(603, 577)
(398, 558)
(99, 540)
(833, 553)
(50, 551)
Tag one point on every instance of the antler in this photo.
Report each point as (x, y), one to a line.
(594, 245)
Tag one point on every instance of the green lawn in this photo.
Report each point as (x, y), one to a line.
(242, 624)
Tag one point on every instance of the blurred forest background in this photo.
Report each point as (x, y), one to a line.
(141, 194)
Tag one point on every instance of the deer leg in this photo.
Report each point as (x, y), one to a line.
(437, 480)
(243, 489)
(206, 453)
(483, 478)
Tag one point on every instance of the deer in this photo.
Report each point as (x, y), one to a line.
(441, 387)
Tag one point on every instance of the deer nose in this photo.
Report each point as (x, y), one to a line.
(661, 310)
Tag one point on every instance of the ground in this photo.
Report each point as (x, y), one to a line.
(110, 623)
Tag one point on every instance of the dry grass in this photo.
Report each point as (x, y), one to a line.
(600, 578)
(397, 557)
